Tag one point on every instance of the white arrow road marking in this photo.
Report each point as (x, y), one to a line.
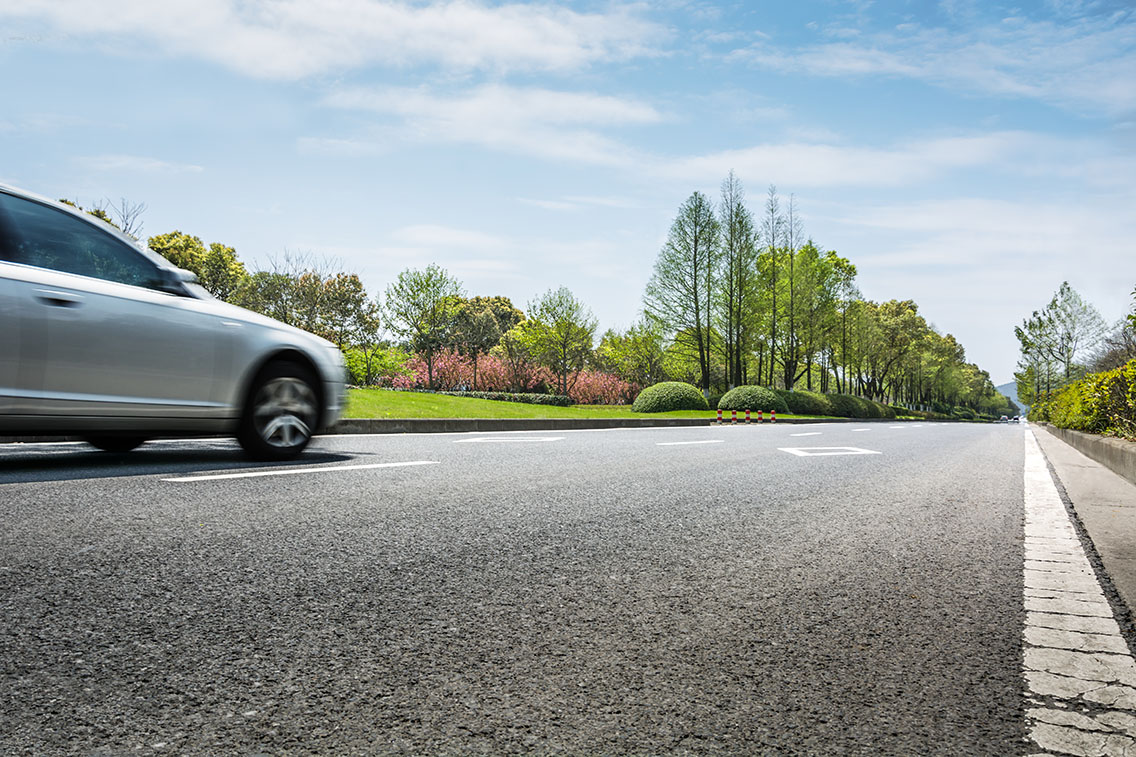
(509, 440)
(704, 441)
(297, 471)
(826, 451)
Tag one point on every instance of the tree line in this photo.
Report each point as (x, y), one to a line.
(733, 299)
(1066, 340)
(739, 298)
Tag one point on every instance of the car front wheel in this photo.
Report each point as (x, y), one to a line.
(281, 414)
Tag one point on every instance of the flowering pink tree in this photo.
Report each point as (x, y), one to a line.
(454, 371)
(596, 388)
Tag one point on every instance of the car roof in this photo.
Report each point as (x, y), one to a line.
(98, 223)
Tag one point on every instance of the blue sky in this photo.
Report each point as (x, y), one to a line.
(967, 155)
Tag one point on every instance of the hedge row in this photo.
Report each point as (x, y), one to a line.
(1100, 403)
(676, 395)
(530, 398)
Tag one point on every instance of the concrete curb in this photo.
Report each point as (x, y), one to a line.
(460, 425)
(465, 425)
(1117, 455)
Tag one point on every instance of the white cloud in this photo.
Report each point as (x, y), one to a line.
(290, 39)
(136, 164)
(530, 121)
(445, 237)
(1077, 62)
(827, 165)
(549, 204)
(353, 148)
(577, 202)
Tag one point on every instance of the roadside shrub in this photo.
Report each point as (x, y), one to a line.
(804, 402)
(1100, 403)
(752, 398)
(883, 411)
(849, 406)
(965, 413)
(556, 400)
(669, 395)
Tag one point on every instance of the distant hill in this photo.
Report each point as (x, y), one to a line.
(1011, 391)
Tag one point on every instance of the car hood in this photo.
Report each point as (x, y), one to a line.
(232, 312)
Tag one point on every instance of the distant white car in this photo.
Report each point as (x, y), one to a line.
(104, 339)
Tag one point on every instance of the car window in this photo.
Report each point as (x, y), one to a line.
(49, 238)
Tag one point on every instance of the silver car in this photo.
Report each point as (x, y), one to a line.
(104, 339)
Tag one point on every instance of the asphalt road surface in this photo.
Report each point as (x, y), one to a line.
(827, 589)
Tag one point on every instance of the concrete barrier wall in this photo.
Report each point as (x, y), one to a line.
(1117, 455)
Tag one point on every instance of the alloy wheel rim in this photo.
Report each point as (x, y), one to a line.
(284, 412)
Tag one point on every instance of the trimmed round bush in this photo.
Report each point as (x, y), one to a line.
(849, 406)
(752, 398)
(669, 395)
(804, 402)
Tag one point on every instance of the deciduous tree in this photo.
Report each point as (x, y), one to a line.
(421, 305)
(682, 288)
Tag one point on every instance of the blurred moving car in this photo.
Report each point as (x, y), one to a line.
(104, 339)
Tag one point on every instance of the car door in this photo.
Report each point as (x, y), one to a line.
(9, 343)
(20, 372)
(110, 340)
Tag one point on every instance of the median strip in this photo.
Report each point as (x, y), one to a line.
(297, 471)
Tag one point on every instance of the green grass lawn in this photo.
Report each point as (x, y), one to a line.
(382, 403)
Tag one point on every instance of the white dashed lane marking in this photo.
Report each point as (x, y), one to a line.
(826, 451)
(296, 471)
(810, 433)
(1079, 674)
(509, 439)
(674, 444)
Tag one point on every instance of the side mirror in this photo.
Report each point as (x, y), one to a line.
(174, 280)
(184, 276)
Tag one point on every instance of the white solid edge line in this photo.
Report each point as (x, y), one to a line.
(297, 471)
(704, 441)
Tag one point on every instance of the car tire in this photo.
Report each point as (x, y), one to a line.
(114, 443)
(281, 413)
